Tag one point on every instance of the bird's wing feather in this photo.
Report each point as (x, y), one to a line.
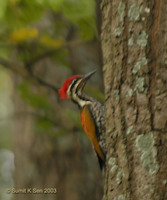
(90, 129)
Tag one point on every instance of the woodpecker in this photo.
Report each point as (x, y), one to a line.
(92, 113)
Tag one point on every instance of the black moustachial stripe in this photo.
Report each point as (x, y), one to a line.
(73, 86)
(74, 90)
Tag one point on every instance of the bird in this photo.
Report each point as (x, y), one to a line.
(92, 112)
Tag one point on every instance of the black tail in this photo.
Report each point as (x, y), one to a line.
(101, 161)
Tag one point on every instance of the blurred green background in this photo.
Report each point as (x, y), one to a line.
(42, 144)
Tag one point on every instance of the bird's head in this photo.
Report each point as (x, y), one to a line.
(74, 84)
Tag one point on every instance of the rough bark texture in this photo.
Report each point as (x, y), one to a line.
(134, 44)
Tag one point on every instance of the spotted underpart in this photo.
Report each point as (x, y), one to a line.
(92, 119)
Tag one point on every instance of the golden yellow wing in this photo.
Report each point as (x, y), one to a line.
(90, 129)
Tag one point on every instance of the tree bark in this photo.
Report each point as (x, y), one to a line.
(134, 45)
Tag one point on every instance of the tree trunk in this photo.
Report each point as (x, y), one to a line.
(134, 45)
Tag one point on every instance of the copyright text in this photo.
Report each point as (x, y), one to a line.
(31, 191)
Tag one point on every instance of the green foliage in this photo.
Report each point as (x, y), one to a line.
(30, 29)
(20, 21)
(87, 29)
(16, 14)
(46, 126)
(73, 117)
(20, 13)
(60, 56)
(32, 98)
(80, 13)
(5, 138)
(3, 5)
(95, 93)
(5, 109)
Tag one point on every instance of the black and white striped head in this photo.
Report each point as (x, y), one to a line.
(72, 88)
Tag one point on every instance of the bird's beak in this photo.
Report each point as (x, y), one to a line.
(84, 79)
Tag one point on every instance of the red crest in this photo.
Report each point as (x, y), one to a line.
(63, 91)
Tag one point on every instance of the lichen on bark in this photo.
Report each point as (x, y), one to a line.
(145, 144)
